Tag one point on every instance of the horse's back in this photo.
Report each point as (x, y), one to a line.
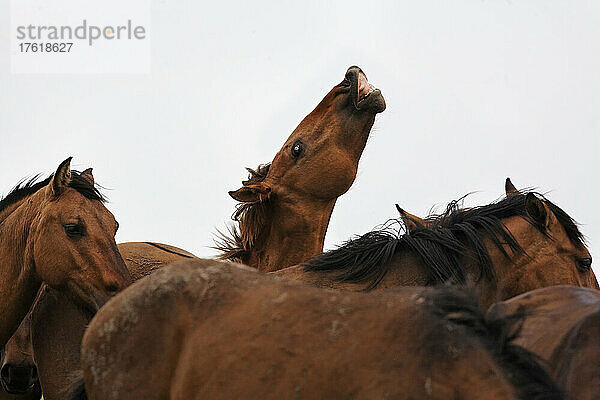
(219, 331)
(142, 258)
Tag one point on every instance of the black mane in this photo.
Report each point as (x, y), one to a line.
(441, 244)
(521, 367)
(26, 188)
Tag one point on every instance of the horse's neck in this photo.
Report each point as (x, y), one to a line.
(291, 237)
(18, 281)
(406, 269)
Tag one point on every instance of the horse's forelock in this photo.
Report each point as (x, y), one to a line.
(26, 188)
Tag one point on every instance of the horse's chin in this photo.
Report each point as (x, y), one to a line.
(16, 391)
(372, 103)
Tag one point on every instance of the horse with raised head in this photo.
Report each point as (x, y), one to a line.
(291, 191)
(57, 231)
(224, 331)
(285, 206)
(519, 243)
(287, 197)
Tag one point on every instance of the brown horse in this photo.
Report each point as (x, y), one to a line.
(59, 232)
(285, 206)
(18, 373)
(58, 324)
(520, 243)
(562, 326)
(220, 331)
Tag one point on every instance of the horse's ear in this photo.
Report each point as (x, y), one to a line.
(61, 178)
(510, 188)
(87, 175)
(251, 193)
(537, 210)
(411, 222)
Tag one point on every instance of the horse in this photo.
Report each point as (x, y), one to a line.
(223, 331)
(339, 126)
(57, 231)
(516, 244)
(562, 327)
(56, 325)
(285, 206)
(18, 372)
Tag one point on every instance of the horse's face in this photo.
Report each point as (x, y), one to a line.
(18, 373)
(318, 162)
(73, 244)
(551, 257)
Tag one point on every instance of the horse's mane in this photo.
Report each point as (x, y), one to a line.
(441, 243)
(250, 218)
(521, 367)
(26, 188)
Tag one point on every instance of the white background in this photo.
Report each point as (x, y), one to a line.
(476, 91)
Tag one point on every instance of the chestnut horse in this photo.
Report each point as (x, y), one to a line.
(57, 324)
(18, 373)
(562, 326)
(285, 206)
(57, 231)
(520, 243)
(206, 330)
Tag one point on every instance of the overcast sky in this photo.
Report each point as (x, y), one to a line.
(476, 91)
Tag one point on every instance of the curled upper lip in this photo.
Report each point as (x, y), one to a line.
(361, 89)
(364, 87)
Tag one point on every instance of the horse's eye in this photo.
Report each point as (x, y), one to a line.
(297, 149)
(74, 230)
(584, 264)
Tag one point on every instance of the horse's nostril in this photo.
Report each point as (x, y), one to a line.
(4, 372)
(17, 378)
